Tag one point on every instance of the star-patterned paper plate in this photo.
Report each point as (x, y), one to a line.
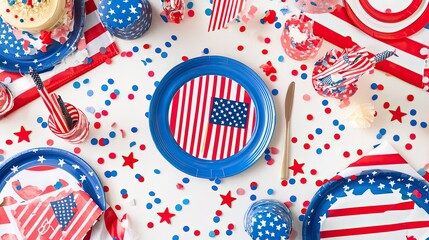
(212, 117)
(377, 204)
(41, 170)
(14, 59)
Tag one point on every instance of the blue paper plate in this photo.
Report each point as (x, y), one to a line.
(72, 164)
(373, 183)
(262, 125)
(42, 61)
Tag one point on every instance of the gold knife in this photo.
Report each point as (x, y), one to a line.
(288, 112)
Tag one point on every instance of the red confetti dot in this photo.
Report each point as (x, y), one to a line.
(218, 213)
(412, 136)
(76, 150)
(31, 19)
(337, 136)
(313, 171)
(294, 140)
(7, 10)
(270, 162)
(417, 193)
(386, 105)
(50, 142)
(105, 188)
(328, 110)
(408, 146)
(125, 196)
(410, 97)
(264, 51)
(97, 125)
(112, 155)
(253, 185)
(319, 183)
(274, 150)
(353, 177)
(151, 74)
(130, 96)
(100, 160)
(146, 46)
(273, 78)
(191, 13)
(118, 207)
(185, 58)
(303, 210)
(216, 232)
(129, 54)
(359, 152)
(16, 16)
(180, 186)
(108, 61)
(101, 142)
(230, 226)
(288, 204)
(141, 179)
(197, 233)
(346, 154)
(380, 87)
(104, 113)
(294, 72)
(142, 147)
(123, 54)
(303, 180)
(306, 146)
(284, 183)
(309, 117)
(150, 224)
(303, 67)
(1, 151)
(310, 136)
(242, 28)
(267, 40)
(306, 203)
(326, 146)
(97, 115)
(240, 48)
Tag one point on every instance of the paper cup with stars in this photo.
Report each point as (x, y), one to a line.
(268, 219)
(126, 19)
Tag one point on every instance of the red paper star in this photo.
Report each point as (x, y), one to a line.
(23, 135)
(397, 114)
(297, 167)
(166, 216)
(268, 68)
(227, 199)
(129, 160)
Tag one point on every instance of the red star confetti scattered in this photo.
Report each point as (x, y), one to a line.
(227, 199)
(23, 135)
(397, 114)
(297, 167)
(129, 160)
(270, 16)
(166, 216)
(268, 68)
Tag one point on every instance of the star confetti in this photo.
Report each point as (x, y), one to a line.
(297, 167)
(23, 135)
(227, 199)
(129, 160)
(166, 216)
(397, 114)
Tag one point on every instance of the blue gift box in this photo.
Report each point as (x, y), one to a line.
(126, 19)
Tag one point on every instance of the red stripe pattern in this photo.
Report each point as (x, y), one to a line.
(190, 112)
(223, 12)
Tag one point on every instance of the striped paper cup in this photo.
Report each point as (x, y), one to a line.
(80, 129)
(6, 100)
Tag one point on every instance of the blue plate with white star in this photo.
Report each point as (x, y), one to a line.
(212, 117)
(34, 172)
(14, 59)
(377, 204)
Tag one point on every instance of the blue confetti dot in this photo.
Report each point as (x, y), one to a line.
(107, 102)
(86, 81)
(146, 114)
(149, 205)
(341, 127)
(1, 158)
(135, 88)
(228, 232)
(292, 181)
(107, 174)
(39, 120)
(151, 193)
(190, 5)
(216, 219)
(304, 76)
(301, 218)
(319, 131)
(275, 92)
(292, 198)
(164, 18)
(116, 91)
(104, 87)
(383, 131)
(262, 21)
(335, 122)
(175, 237)
(374, 97)
(374, 86)
(158, 50)
(253, 197)
(379, 136)
(178, 207)
(413, 122)
(90, 93)
(325, 102)
(164, 55)
(212, 234)
(413, 112)
(123, 191)
(135, 49)
(94, 141)
(208, 12)
(156, 171)
(185, 201)
(185, 180)
(114, 173)
(217, 181)
(167, 44)
(267, 157)
(106, 141)
(112, 134)
(18, 187)
(110, 81)
(132, 144)
(174, 37)
(134, 129)
(396, 138)
(149, 60)
(138, 175)
(319, 151)
(148, 97)
(267, 151)
(278, 25)
(281, 58)
(185, 228)
(44, 125)
(76, 85)
(157, 200)
(205, 50)
(156, 83)
(423, 124)
(214, 188)
(270, 191)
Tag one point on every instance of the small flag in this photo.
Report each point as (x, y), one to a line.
(63, 210)
(229, 113)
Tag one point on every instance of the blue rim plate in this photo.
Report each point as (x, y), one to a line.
(41, 61)
(203, 66)
(383, 182)
(73, 164)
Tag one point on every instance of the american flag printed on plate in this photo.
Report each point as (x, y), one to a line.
(212, 117)
(378, 197)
